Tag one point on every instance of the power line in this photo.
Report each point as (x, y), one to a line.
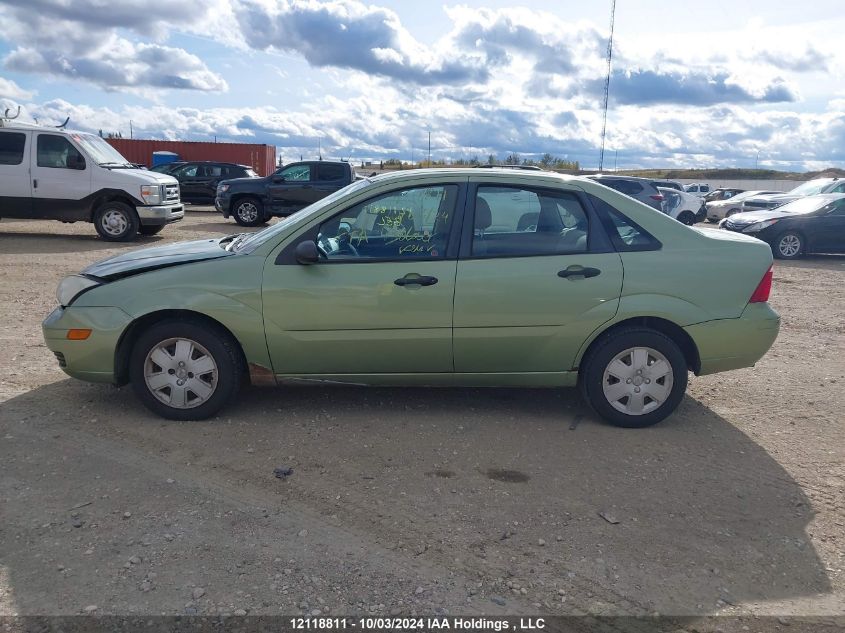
(607, 82)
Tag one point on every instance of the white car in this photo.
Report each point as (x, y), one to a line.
(699, 189)
(720, 209)
(684, 207)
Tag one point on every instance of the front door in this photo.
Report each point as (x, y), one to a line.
(61, 179)
(292, 188)
(15, 183)
(536, 279)
(828, 230)
(379, 301)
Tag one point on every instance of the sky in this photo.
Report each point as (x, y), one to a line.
(693, 84)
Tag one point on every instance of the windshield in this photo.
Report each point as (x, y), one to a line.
(804, 205)
(99, 151)
(259, 238)
(810, 188)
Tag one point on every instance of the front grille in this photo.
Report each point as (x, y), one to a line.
(61, 358)
(171, 193)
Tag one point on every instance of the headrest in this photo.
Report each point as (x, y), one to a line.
(483, 216)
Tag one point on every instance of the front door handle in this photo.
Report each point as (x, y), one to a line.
(416, 280)
(576, 272)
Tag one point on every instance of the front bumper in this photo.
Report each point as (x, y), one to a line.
(221, 203)
(160, 214)
(94, 358)
(727, 344)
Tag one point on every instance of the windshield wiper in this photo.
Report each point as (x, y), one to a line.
(231, 241)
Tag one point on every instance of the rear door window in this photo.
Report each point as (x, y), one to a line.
(12, 145)
(330, 171)
(512, 221)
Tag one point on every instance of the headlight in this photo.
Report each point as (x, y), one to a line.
(222, 188)
(151, 194)
(71, 287)
(758, 226)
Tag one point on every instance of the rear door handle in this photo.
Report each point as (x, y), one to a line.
(574, 272)
(416, 280)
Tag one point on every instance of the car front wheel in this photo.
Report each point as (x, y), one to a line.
(788, 245)
(116, 222)
(248, 212)
(184, 370)
(634, 377)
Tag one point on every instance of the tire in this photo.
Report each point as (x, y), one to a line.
(610, 356)
(200, 347)
(248, 212)
(687, 217)
(788, 245)
(116, 222)
(150, 230)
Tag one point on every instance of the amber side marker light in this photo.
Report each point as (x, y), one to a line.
(78, 335)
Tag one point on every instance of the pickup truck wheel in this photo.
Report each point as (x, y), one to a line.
(249, 212)
(634, 377)
(150, 230)
(116, 222)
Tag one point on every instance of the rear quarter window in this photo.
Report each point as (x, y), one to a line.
(11, 148)
(625, 234)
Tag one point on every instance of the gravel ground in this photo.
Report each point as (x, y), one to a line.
(459, 501)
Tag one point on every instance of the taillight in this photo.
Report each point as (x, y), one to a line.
(658, 197)
(764, 288)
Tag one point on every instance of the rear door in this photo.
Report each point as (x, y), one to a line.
(15, 183)
(331, 177)
(827, 232)
(61, 179)
(537, 275)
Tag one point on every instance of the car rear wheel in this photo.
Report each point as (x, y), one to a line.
(184, 370)
(634, 377)
(788, 245)
(687, 217)
(249, 212)
(116, 222)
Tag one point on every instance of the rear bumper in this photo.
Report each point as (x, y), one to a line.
(93, 358)
(735, 343)
(158, 215)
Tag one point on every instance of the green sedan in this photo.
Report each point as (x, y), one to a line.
(454, 277)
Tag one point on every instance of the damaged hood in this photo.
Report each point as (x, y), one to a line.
(145, 259)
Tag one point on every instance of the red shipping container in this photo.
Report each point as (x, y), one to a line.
(262, 158)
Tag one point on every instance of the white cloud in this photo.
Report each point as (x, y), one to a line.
(10, 90)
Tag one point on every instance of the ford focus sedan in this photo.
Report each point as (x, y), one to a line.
(429, 278)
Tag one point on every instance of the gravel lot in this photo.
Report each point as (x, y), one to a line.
(464, 501)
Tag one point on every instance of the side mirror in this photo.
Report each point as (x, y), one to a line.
(307, 253)
(278, 179)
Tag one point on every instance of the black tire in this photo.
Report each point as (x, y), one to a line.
(150, 230)
(687, 217)
(218, 344)
(116, 222)
(607, 348)
(788, 245)
(248, 212)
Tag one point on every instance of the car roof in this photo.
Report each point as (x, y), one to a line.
(471, 172)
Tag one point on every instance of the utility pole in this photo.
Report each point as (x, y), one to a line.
(429, 147)
(320, 148)
(615, 156)
(130, 129)
(757, 159)
(607, 83)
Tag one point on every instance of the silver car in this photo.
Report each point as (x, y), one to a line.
(809, 188)
(720, 209)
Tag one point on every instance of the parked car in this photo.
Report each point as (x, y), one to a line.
(428, 277)
(684, 207)
(55, 174)
(253, 201)
(809, 188)
(813, 224)
(720, 209)
(638, 188)
(166, 168)
(199, 179)
(697, 189)
(722, 193)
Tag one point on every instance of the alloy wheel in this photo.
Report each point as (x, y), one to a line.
(789, 245)
(248, 212)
